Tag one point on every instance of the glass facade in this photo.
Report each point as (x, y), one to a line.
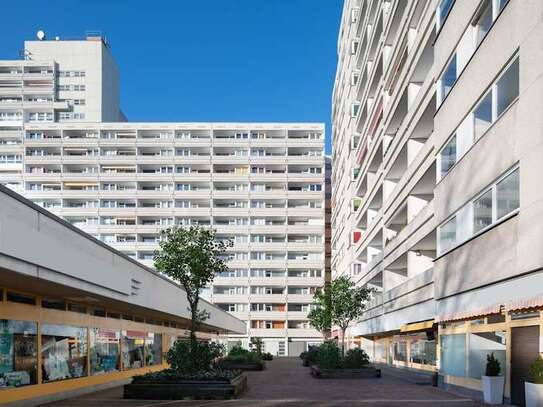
(133, 349)
(453, 354)
(153, 349)
(63, 352)
(104, 350)
(482, 344)
(422, 351)
(18, 353)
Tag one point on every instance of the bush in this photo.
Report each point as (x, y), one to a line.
(355, 359)
(172, 376)
(182, 360)
(238, 350)
(536, 371)
(492, 366)
(249, 357)
(311, 354)
(329, 356)
(267, 356)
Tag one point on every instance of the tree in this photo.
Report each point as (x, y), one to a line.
(338, 304)
(192, 257)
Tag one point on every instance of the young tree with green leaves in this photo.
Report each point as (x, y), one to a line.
(192, 257)
(338, 304)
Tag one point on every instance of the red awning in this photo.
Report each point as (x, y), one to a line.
(479, 312)
(524, 303)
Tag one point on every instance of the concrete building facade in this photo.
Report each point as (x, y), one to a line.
(436, 203)
(260, 185)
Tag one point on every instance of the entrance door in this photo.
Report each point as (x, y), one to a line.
(524, 350)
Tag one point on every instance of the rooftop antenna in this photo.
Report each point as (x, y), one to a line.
(41, 35)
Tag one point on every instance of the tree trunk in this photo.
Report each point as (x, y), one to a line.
(343, 330)
(193, 325)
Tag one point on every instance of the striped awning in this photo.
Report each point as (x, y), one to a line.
(524, 303)
(473, 313)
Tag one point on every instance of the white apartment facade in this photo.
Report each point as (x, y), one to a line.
(260, 185)
(436, 153)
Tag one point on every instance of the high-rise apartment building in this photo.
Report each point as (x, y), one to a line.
(260, 185)
(437, 205)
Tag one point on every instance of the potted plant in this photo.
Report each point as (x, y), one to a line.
(493, 383)
(534, 389)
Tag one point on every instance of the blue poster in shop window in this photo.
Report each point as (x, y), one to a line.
(6, 353)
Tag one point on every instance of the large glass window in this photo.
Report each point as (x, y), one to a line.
(18, 353)
(482, 211)
(448, 156)
(507, 194)
(400, 351)
(153, 349)
(483, 115)
(453, 354)
(483, 344)
(104, 350)
(63, 352)
(449, 78)
(422, 350)
(447, 235)
(133, 349)
(508, 87)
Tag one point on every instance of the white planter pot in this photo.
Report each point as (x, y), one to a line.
(534, 394)
(493, 389)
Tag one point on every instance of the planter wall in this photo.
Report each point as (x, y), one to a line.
(363, 373)
(534, 394)
(493, 389)
(190, 388)
(242, 366)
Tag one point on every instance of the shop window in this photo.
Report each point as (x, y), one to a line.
(423, 351)
(52, 303)
(63, 351)
(21, 298)
(104, 350)
(77, 308)
(18, 353)
(153, 349)
(133, 349)
(400, 351)
(453, 351)
(482, 344)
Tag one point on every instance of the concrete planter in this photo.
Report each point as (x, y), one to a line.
(177, 390)
(534, 394)
(242, 365)
(362, 373)
(493, 389)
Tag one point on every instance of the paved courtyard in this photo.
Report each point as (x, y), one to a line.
(286, 383)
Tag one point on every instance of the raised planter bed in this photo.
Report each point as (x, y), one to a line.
(362, 373)
(180, 389)
(242, 365)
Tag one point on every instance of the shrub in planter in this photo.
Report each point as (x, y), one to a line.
(267, 356)
(493, 383)
(534, 390)
(355, 359)
(181, 359)
(172, 376)
(329, 356)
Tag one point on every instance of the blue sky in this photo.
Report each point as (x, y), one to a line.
(194, 60)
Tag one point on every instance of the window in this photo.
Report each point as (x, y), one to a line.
(507, 87)
(482, 344)
(482, 211)
(18, 353)
(400, 351)
(133, 349)
(507, 194)
(442, 12)
(64, 352)
(453, 351)
(483, 21)
(153, 349)
(447, 80)
(21, 298)
(448, 156)
(104, 350)
(483, 115)
(354, 46)
(447, 235)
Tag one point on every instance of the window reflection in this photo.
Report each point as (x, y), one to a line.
(153, 349)
(104, 350)
(18, 353)
(64, 352)
(133, 349)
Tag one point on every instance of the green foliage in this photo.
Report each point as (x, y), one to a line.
(192, 257)
(536, 371)
(267, 356)
(239, 354)
(173, 376)
(257, 344)
(492, 366)
(329, 356)
(238, 350)
(183, 357)
(355, 359)
(338, 304)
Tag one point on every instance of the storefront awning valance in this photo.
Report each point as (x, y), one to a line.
(417, 326)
